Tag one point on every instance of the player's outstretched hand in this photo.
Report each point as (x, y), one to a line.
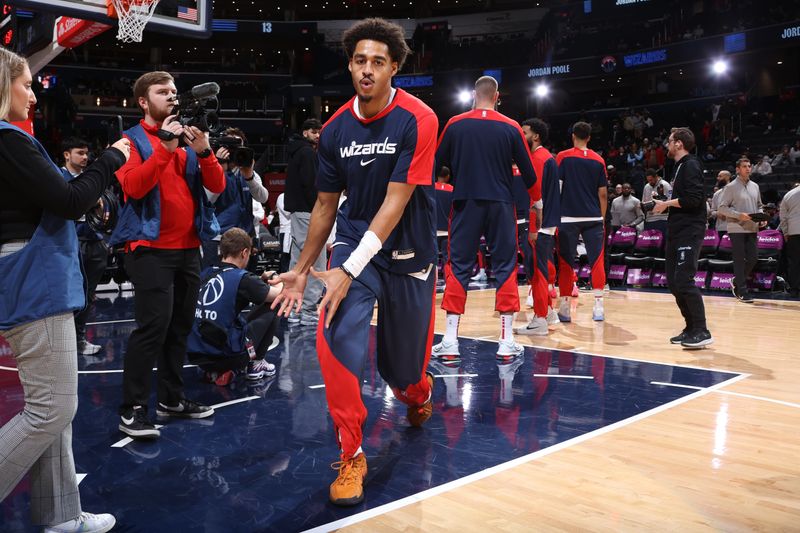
(337, 283)
(291, 297)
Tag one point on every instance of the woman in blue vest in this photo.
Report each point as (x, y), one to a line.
(42, 286)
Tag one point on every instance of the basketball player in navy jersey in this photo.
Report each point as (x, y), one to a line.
(480, 147)
(584, 193)
(546, 215)
(380, 146)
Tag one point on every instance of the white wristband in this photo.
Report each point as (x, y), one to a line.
(369, 246)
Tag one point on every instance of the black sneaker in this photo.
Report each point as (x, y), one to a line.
(747, 298)
(135, 423)
(697, 340)
(677, 339)
(185, 409)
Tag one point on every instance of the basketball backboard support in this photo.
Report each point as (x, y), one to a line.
(189, 18)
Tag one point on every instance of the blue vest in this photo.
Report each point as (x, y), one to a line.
(234, 207)
(141, 219)
(44, 278)
(216, 303)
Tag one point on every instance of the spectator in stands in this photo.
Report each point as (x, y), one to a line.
(165, 218)
(626, 209)
(223, 341)
(301, 195)
(790, 226)
(720, 223)
(739, 200)
(635, 155)
(774, 221)
(93, 251)
(794, 153)
(710, 154)
(656, 187)
(783, 158)
(234, 205)
(763, 167)
(36, 317)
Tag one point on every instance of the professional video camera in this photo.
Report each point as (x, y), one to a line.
(198, 107)
(648, 206)
(240, 155)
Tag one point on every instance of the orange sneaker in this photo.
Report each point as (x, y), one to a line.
(348, 488)
(419, 414)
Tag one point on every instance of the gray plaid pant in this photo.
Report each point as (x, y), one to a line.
(39, 439)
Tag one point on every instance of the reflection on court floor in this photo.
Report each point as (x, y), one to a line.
(262, 463)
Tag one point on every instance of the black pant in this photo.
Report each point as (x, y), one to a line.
(744, 250)
(793, 261)
(682, 252)
(94, 257)
(261, 326)
(166, 283)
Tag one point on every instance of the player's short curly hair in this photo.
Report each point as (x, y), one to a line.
(381, 30)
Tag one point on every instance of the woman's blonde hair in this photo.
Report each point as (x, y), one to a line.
(11, 67)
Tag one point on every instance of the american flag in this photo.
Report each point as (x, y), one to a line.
(187, 13)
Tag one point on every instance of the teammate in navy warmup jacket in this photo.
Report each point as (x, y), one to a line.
(380, 146)
(584, 200)
(480, 147)
(222, 340)
(544, 222)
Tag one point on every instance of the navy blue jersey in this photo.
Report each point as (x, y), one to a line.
(364, 156)
(547, 170)
(479, 147)
(444, 201)
(582, 173)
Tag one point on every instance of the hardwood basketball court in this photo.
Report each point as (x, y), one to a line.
(722, 460)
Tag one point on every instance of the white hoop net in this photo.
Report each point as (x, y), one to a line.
(133, 16)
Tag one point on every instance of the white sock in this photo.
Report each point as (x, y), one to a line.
(598, 294)
(598, 301)
(451, 331)
(506, 333)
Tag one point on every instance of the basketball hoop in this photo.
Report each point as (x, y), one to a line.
(133, 16)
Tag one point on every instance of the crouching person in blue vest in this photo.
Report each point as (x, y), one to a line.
(223, 341)
(41, 286)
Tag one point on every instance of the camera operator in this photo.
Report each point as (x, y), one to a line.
(165, 217)
(659, 189)
(41, 288)
(234, 206)
(686, 227)
(93, 251)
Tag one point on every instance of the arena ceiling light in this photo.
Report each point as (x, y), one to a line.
(464, 96)
(541, 90)
(719, 67)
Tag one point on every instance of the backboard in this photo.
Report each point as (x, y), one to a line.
(190, 18)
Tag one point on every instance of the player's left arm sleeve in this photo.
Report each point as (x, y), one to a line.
(522, 157)
(415, 163)
(212, 173)
(257, 190)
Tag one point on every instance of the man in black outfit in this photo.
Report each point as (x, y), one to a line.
(94, 253)
(685, 231)
(300, 197)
